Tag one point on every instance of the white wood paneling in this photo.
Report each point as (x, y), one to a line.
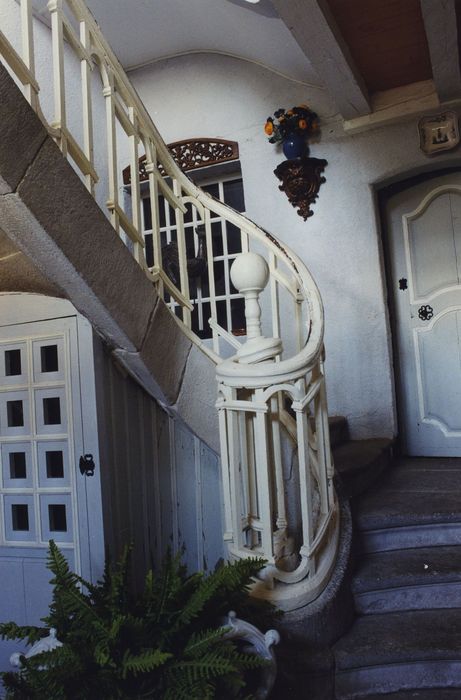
(161, 484)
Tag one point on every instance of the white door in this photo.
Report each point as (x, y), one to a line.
(43, 495)
(424, 227)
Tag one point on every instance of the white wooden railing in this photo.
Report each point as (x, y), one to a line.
(276, 458)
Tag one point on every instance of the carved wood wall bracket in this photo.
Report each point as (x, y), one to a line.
(301, 179)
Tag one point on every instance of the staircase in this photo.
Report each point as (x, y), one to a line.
(85, 233)
(406, 640)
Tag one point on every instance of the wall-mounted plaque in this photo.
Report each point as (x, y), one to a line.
(439, 132)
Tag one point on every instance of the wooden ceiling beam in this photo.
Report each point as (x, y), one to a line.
(441, 26)
(315, 30)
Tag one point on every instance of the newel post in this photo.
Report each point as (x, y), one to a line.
(250, 275)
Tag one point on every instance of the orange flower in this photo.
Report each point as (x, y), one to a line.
(302, 124)
(269, 128)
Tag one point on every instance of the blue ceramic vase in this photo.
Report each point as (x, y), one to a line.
(294, 146)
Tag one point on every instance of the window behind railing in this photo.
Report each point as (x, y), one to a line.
(226, 242)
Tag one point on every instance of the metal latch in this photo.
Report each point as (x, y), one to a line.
(87, 465)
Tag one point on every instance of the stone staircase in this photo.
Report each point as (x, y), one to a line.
(406, 640)
(306, 667)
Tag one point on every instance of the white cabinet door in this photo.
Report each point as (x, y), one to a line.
(424, 224)
(46, 400)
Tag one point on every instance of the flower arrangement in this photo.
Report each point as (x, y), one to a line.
(299, 120)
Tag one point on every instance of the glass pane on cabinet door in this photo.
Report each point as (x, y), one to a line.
(53, 464)
(50, 411)
(56, 517)
(19, 518)
(48, 360)
(14, 413)
(13, 364)
(17, 467)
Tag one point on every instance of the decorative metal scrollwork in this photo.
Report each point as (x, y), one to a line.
(425, 312)
(190, 155)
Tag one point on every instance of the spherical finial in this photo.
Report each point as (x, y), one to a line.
(249, 271)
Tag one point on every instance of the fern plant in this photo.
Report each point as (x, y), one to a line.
(166, 643)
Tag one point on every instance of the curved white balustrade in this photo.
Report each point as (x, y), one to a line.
(279, 500)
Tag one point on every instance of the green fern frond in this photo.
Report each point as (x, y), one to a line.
(143, 663)
(10, 630)
(108, 635)
(209, 666)
(203, 641)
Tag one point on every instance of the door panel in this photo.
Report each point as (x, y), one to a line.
(43, 496)
(424, 231)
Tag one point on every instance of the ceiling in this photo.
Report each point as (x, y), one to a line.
(387, 40)
(141, 31)
(378, 59)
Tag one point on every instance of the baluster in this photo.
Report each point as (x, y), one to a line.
(329, 466)
(112, 202)
(262, 452)
(274, 290)
(28, 55)
(249, 505)
(135, 189)
(211, 279)
(304, 477)
(184, 278)
(235, 476)
(85, 39)
(151, 166)
(57, 30)
(281, 521)
(229, 504)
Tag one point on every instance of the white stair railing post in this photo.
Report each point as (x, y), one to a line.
(253, 384)
(250, 275)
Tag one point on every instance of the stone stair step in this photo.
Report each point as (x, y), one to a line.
(415, 504)
(413, 493)
(360, 462)
(399, 651)
(408, 579)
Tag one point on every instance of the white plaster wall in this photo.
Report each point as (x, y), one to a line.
(208, 95)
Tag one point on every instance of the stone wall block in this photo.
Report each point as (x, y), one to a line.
(165, 351)
(19, 274)
(59, 201)
(21, 133)
(196, 402)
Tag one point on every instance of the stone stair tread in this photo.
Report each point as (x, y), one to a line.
(358, 454)
(359, 463)
(427, 694)
(396, 638)
(339, 430)
(408, 567)
(428, 492)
